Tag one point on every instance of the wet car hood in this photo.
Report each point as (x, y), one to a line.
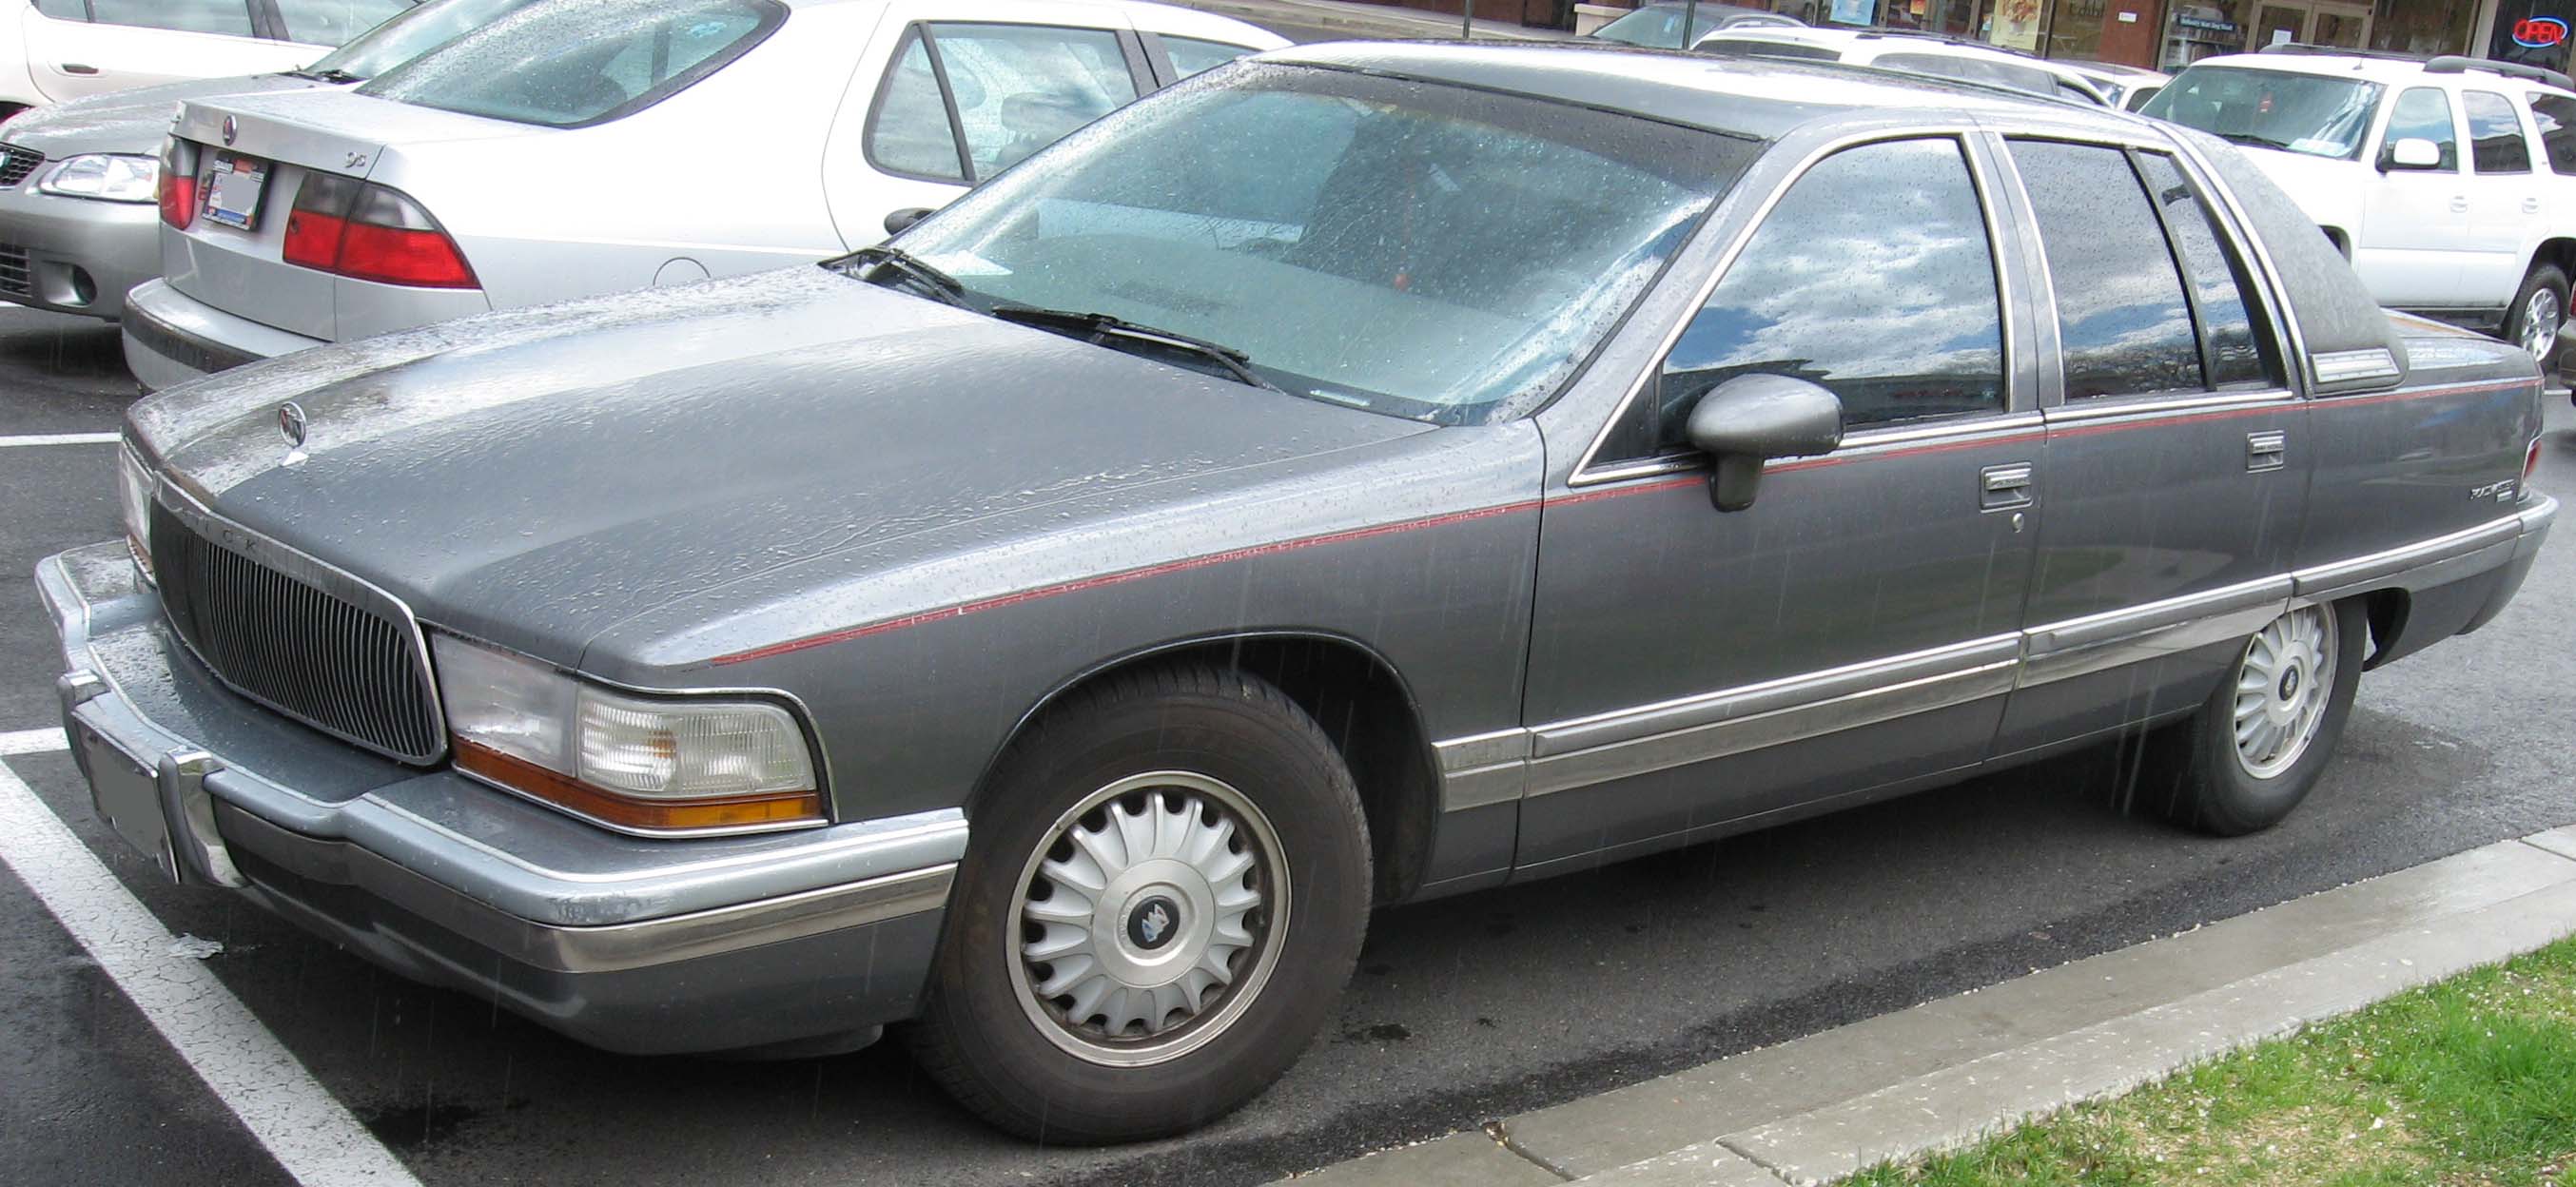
(132, 121)
(534, 478)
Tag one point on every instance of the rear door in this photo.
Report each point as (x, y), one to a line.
(2175, 446)
(2507, 208)
(90, 47)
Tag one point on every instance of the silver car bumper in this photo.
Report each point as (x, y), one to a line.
(636, 945)
(171, 337)
(75, 255)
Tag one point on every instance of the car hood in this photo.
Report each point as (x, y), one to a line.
(132, 121)
(538, 476)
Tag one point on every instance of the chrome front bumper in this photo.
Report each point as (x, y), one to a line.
(628, 943)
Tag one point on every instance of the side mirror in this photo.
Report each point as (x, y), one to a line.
(896, 222)
(1750, 419)
(2411, 152)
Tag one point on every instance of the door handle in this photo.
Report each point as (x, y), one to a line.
(78, 68)
(2459, 203)
(2266, 450)
(2005, 486)
(2531, 206)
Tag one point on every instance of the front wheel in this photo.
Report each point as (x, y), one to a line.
(1164, 896)
(2538, 311)
(2258, 745)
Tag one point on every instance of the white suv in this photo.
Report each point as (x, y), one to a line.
(2450, 183)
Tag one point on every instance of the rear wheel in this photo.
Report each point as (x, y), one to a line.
(2538, 311)
(2257, 746)
(1164, 896)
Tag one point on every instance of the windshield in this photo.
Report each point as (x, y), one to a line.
(2313, 114)
(570, 63)
(414, 32)
(1422, 251)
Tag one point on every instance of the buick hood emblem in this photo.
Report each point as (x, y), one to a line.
(231, 129)
(290, 421)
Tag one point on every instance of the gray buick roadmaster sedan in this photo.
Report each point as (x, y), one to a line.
(1364, 473)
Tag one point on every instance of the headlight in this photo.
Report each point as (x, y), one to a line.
(647, 764)
(106, 176)
(134, 499)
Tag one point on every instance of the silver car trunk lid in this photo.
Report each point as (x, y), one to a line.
(296, 135)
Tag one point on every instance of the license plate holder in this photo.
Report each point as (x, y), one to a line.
(236, 187)
(126, 791)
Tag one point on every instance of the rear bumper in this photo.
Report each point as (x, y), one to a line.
(636, 945)
(171, 337)
(69, 247)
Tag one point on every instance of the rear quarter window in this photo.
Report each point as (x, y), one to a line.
(576, 64)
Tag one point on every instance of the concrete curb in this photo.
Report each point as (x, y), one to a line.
(1948, 1072)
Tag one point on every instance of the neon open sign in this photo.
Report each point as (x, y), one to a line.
(2539, 32)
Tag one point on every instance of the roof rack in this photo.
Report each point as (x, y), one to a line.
(2457, 64)
(2337, 51)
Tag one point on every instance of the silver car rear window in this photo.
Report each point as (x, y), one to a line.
(574, 63)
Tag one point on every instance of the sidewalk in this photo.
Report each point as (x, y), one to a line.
(1950, 1071)
(1370, 20)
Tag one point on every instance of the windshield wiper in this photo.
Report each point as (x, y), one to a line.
(2250, 138)
(1101, 329)
(334, 74)
(868, 262)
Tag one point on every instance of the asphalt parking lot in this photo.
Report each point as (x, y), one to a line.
(1463, 1009)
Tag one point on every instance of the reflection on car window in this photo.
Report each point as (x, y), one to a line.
(2301, 113)
(562, 65)
(330, 22)
(1190, 55)
(2241, 355)
(2122, 323)
(230, 17)
(2495, 134)
(2423, 113)
(1020, 88)
(909, 132)
(2556, 116)
(414, 32)
(1873, 277)
(1961, 66)
(1414, 249)
(1758, 47)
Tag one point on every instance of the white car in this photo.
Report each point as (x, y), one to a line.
(572, 149)
(1911, 52)
(53, 50)
(2449, 183)
(2127, 87)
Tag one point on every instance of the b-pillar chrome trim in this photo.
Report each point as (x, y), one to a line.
(1505, 765)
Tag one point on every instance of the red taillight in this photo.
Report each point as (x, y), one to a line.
(2530, 460)
(368, 232)
(177, 190)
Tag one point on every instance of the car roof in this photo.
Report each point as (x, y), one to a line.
(2390, 71)
(1764, 98)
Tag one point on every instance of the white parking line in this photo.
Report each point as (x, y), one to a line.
(291, 1114)
(60, 439)
(33, 741)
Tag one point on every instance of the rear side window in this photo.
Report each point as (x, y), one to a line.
(1763, 47)
(572, 65)
(229, 17)
(1874, 277)
(2423, 113)
(1001, 92)
(1190, 55)
(334, 22)
(2239, 353)
(2122, 320)
(2556, 115)
(2495, 134)
(64, 10)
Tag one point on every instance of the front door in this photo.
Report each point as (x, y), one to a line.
(1856, 626)
(2177, 452)
(2415, 220)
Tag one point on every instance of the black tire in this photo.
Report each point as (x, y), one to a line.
(977, 1036)
(2193, 772)
(2543, 278)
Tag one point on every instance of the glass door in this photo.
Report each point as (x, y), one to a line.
(2277, 22)
(2338, 26)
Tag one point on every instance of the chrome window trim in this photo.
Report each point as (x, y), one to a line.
(2250, 246)
(1964, 134)
(2151, 405)
(1868, 442)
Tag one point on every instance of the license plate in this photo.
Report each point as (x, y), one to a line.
(234, 188)
(127, 795)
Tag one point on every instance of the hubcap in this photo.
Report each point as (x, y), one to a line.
(1150, 920)
(2282, 687)
(2540, 321)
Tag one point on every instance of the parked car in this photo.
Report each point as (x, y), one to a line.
(2372, 148)
(1057, 626)
(1912, 52)
(2126, 87)
(52, 51)
(295, 220)
(78, 180)
(1660, 25)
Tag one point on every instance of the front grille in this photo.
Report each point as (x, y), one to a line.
(16, 163)
(14, 279)
(333, 658)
